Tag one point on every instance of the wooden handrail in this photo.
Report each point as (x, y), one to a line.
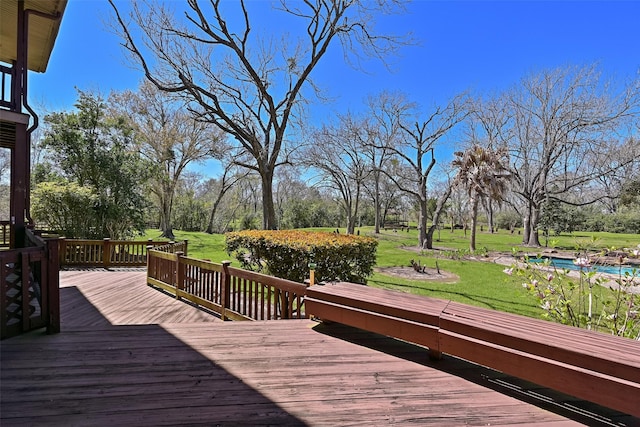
(234, 293)
(109, 253)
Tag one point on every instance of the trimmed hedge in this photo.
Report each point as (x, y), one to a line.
(287, 254)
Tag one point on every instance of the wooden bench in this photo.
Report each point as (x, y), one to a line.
(395, 314)
(597, 367)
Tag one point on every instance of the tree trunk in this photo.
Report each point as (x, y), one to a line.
(534, 239)
(377, 203)
(436, 217)
(490, 215)
(268, 207)
(530, 233)
(378, 216)
(526, 226)
(422, 224)
(474, 223)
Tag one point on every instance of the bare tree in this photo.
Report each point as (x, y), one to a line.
(609, 184)
(237, 79)
(170, 139)
(228, 179)
(560, 118)
(385, 111)
(415, 152)
(338, 157)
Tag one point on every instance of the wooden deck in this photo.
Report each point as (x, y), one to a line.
(131, 355)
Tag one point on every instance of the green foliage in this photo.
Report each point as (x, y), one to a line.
(190, 213)
(95, 151)
(584, 299)
(66, 208)
(300, 213)
(287, 254)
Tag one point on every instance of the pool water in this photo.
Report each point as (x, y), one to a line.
(569, 265)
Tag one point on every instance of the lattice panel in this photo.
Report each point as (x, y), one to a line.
(14, 297)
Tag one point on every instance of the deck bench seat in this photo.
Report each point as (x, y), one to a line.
(597, 367)
(377, 310)
(593, 366)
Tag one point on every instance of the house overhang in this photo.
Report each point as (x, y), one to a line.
(42, 30)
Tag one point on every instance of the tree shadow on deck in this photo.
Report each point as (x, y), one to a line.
(569, 407)
(104, 374)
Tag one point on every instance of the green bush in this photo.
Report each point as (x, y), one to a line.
(288, 253)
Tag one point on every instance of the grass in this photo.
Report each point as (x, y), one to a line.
(481, 283)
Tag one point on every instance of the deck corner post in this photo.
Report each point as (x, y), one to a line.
(150, 270)
(225, 279)
(62, 250)
(53, 284)
(186, 244)
(106, 252)
(179, 274)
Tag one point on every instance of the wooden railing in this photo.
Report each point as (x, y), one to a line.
(5, 234)
(29, 288)
(112, 253)
(233, 293)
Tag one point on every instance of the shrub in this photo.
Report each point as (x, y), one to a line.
(287, 254)
(584, 302)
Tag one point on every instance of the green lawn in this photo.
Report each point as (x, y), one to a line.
(481, 283)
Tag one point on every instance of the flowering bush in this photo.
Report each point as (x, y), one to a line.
(585, 298)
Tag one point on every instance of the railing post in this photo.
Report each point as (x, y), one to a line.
(62, 250)
(53, 284)
(150, 271)
(179, 274)
(225, 298)
(106, 252)
(186, 243)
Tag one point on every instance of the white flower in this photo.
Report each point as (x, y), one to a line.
(525, 285)
(534, 282)
(546, 306)
(508, 271)
(549, 277)
(582, 262)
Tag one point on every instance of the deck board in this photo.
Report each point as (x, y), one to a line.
(143, 367)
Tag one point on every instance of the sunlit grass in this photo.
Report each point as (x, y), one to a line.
(480, 283)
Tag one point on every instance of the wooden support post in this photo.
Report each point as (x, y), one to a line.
(151, 271)
(106, 252)
(53, 284)
(186, 244)
(62, 250)
(179, 274)
(225, 299)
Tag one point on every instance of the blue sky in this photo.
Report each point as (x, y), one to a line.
(482, 46)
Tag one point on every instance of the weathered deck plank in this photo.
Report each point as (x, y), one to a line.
(118, 298)
(120, 371)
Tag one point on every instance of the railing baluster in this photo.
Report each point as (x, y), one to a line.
(234, 293)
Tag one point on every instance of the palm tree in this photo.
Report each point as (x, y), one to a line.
(483, 173)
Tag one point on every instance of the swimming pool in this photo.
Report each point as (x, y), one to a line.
(569, 265)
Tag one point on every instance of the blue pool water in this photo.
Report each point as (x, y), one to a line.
(569, 265)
